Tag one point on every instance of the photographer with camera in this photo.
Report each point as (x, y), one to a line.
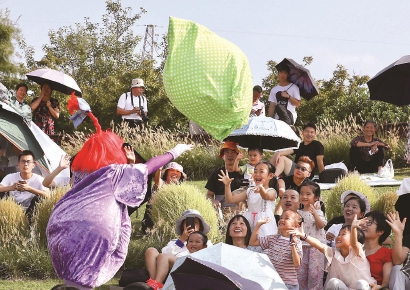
(132, 106)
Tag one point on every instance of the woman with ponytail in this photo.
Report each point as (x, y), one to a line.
(89, 229)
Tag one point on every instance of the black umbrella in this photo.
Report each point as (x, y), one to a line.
(392, 84)
(300, 76)
(196, 274)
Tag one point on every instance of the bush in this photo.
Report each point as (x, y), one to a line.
(385, 202)
(42, 214)
(334, 207)
(172, 200)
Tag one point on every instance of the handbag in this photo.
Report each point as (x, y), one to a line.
(331, 175)
(387, 171)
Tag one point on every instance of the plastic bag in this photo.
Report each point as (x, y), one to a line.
(387, 171)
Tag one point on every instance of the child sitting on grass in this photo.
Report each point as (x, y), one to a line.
(283, 250)
(159, 264)
(348, 267)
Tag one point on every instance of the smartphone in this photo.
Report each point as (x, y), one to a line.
(190, 221)
(290, 238)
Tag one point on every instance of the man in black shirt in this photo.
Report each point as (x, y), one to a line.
(216, 189)
(309, 147)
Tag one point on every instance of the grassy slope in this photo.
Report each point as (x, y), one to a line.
(136, 220)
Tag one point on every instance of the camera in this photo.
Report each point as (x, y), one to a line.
(144, 117)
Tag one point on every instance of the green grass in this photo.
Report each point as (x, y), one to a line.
(42, 284)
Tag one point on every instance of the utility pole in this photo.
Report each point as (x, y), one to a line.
(148, 48)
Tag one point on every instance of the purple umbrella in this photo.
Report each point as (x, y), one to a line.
(300, 76)
(196, 274)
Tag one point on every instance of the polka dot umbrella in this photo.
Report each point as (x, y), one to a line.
(207, 78)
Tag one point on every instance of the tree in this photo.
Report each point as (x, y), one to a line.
(102, 58)
(341, 97)
(10, 34)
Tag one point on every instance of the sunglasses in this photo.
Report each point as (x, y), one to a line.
(302, 168)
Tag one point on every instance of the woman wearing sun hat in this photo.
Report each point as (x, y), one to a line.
(172, 173)
(175, 248)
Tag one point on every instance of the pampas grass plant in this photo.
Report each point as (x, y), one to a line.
(13, 222)
(42, 214)
(385, 202)
(334, 207)
(172, 200)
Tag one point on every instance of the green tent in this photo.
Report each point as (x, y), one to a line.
(16, 131)
(207, 78)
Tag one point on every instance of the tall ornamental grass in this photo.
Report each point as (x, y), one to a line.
(385, 202)
(13, 222)
(42, 214)
(332, 201)
(172, 200)
(149, 142)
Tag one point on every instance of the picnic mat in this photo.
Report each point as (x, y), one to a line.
(369, 178)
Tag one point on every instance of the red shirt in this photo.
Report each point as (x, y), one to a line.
(377, 260)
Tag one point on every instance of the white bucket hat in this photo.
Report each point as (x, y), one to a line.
(136, 83)
(404, 187)
(360, 195)
(191, 213)
(176, 166)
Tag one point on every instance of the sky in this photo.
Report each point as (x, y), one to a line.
(364, 36)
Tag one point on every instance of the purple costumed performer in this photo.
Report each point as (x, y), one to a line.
(89, 229)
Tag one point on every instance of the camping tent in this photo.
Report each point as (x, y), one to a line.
(16, 133)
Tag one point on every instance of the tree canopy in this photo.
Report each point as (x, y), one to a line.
(340, 97)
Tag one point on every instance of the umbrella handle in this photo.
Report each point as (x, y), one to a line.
(293, 83)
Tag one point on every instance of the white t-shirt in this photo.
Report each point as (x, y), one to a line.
(23, 197)
(125, 103)
(258, 105)
(293, 91)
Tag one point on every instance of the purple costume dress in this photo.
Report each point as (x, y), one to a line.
(89, 229)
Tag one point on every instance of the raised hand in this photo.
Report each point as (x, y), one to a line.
(240, 155)
(224, 178)
(64, 161)
(129, 153)
(263, 221)
(357, 223)
(393, 219)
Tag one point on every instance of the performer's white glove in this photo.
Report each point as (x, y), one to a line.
(179, 149)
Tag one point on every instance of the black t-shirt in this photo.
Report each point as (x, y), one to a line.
(217, 187)
(312, 150)
(290, 184)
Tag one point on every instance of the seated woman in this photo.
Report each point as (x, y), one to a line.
(171, 173)
(174, 249)
(366, 152)
(376, 230)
